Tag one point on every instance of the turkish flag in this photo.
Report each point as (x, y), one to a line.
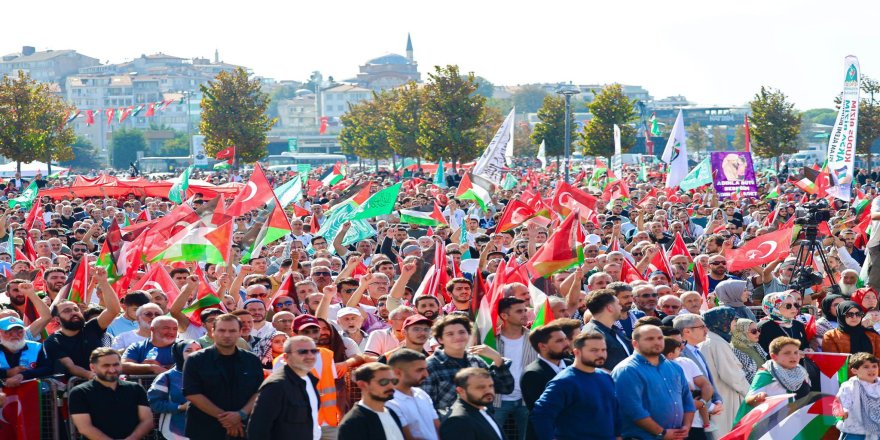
(157, 278)
(226, 153)
(567, 198)
(759, 250)
(20, 416)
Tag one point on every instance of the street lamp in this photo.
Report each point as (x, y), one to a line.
(567, 90)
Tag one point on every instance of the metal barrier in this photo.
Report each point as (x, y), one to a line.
(49, 404)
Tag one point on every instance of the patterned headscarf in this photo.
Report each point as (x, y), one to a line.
(772, 304)
(740, 341)
(718, 320)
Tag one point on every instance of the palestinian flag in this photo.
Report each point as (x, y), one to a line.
(775, 193)
(541, 306)
(197, 242)
(834, 369)
(73, 115)
(518, 212)
(192, 312)
(615, 189)
(434, 218)
(563, 249)
(486, 321)
(219, 166)
(766, 410)
(108, 258)
(137, 110)
(808, 418)
(336, 175)
(79, 282)
(275, 226)
(476, 188)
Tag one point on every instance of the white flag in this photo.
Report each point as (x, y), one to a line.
(842, 142)
(675, 153)
(542, 155)
(617, 159)
(491, 164)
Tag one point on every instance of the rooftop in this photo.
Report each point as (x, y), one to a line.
(391, 58)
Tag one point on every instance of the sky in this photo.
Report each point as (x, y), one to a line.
(713, 53)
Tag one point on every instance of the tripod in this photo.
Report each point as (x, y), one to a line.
(803, 272)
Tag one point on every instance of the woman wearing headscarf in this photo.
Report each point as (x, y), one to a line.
(780, 375)
(729, 379)
(744, 342)
(166, 392)
(733, 293)
(828, 321)
(850, 336)
(781, 309)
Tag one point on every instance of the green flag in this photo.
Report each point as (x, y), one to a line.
(381, 203)
(643, 173)
(303, 169)
(26, 199)
(509, 182)
(440, 175)
(290, 192)
(699, 176)
(222, 166)
(358, 231)
(178, 190)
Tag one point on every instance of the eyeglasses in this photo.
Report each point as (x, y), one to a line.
(755, 331)
(717, 263)
(280, 304)
(637, 254)
(698, 326)
(321, 274)
(854, 314)
(150, 314)
(305, 351)
(258, 295)
(386, 382)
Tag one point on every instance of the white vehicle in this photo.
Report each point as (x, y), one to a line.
(286, 160)
(806, 158)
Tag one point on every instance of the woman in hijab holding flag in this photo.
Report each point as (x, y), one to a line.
(744, 342)
(851, 336)
(733, 293)
(727, 376)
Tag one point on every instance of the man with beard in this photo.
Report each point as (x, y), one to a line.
(416, 330)
(257, 308)
(653, 393)
(55, 278)
(469, 419)
(552, 346)
(20, 359)
(628, 316)
(718, 271)
(70, 347)
(106, 407)
(605, 308)
(428, 306)
(460, 291)
(848, 280)
(580, 402)
(152, 356)
(350, 321)
(369, 419)
(412, 405)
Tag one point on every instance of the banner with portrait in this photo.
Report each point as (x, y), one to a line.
(733, 173)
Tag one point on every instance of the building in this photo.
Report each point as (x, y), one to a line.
(48, 66)
(298, 115)
(389, 71)
(338, 98)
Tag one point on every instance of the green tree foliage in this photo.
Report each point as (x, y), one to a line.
(609, 107)
(551, 127)
(364, 131)
(824, 116)
(504, 105)
(697, 139)
(869, 118)
(124, 147)
(774, 124)
(484, 87)
(234, 113)
(401, 117)
(719, 139)
(739, 138)
(33, 121)
(453, 115)
(176, 146)
(522, 141)
(85, 156)
(529, 98)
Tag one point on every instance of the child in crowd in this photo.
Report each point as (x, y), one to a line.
(860, 400)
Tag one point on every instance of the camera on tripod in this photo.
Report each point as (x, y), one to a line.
(813, 213)
(810, 215)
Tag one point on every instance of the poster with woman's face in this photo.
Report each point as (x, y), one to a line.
(733, 172)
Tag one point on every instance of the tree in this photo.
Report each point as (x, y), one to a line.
(452, 116)
(551, 127)
(869, 118)
(529, 98)
(364, 132)
(124, 147)
(504, 105)
(176, 146)
(824, 116)
(609, 107)
(404, 110)
(774, 124)
(33, 121)
(739, 138)
(697, 139)
(234, 114)
(84, 155)
(484, 87)
(522, 141)
(719, 139)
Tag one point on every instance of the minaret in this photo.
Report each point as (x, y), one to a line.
(409, 49)
(216, 56)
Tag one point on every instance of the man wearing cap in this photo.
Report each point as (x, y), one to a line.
(350, 320)
(129, 319)
(416, 331)
(20, 359)
(329, 413)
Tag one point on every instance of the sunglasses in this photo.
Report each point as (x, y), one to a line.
(305, 351)
(755, 331)
(637, 254)
(386, 382)
(854, 314)
(717, 263)
(789, 306)
(648, 295)
(258, 295)
(321, 274)
(151, 314)
(280, 304)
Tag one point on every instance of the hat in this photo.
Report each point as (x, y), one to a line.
(10, 322)
(608, 224)
(345, 311)
(252, 301)
(416, 319)
(303, 321)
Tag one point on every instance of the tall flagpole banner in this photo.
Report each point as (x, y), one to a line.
(491, 164)
(542, 155)
(675, 153)
(842, 143)
(617, 160)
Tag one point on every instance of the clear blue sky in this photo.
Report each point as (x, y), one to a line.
(711, 52)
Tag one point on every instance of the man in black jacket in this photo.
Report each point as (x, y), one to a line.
(552, 347)
(369, 419)
(288, 398)
(605, 308)
(468, 419)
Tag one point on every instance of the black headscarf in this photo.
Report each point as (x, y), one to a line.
(177, 352)
(859, 341)
(826, 305)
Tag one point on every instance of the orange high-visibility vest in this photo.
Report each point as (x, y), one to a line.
(328, 410)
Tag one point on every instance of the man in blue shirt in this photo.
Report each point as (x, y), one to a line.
(154, 355)
(580, 402)
(655, 402)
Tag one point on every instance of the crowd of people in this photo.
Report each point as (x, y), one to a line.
(355, 349)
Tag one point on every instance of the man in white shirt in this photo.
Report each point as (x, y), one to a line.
(513, 344)
(412, 405)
